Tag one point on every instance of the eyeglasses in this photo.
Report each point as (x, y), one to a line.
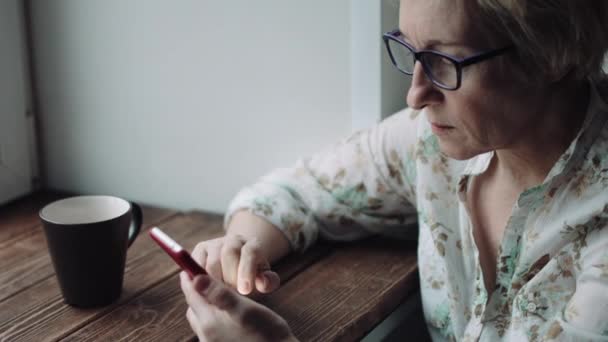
(443, 70)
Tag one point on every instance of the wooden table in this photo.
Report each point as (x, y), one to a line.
(331, 293)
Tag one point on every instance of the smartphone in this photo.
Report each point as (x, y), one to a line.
(175, 251)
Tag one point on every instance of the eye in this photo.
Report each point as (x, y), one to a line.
(437, 61)
(445, 61)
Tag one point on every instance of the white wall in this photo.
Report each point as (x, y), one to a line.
(365, 63)
(181, 103)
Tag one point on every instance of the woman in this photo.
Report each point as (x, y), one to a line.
(501, 158)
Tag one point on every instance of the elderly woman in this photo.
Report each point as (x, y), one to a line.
(501, 158)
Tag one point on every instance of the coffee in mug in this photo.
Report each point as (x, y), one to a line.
(88, 238)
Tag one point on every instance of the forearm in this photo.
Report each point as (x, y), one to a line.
(355, 188)
(273, 241)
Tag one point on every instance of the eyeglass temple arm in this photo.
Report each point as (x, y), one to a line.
(484, 55)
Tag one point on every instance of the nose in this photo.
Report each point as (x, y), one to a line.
(422, 92)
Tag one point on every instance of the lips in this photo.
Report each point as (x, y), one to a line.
(441, 129)
(442, 126)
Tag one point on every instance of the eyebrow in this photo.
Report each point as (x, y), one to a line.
(435, 42)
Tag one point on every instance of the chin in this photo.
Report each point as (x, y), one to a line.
(457, 152)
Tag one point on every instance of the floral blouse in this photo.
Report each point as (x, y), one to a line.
(552, 267)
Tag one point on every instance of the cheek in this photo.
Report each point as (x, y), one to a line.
(488, 113)
(479, 122)
(468, 115)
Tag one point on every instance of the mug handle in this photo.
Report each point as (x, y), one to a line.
(136, 222)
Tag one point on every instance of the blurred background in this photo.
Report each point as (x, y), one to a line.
(181, 103)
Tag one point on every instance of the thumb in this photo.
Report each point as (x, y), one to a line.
(218, 294)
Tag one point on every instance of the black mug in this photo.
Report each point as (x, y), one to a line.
(88, 238)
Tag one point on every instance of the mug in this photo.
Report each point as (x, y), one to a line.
(88, 238)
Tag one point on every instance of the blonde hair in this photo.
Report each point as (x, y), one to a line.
(552, 38)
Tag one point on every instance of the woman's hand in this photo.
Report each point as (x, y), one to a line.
(239, 262)
(218, 313)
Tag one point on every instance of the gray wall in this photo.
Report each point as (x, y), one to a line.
(17, 154)
(180, 103)
(394, 84)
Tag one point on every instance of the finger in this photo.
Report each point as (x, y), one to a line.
(187, 287)
(267, 281)
(251, 315)
(193, 321)
(199, 254)
(184, 283)
(230, 256)
(267, 323)
(213, 263)
(251, 260)
(221, 296)
(193, 290)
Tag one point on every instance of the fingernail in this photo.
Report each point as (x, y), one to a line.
(246, 286)
(266, 280)
(202, 283)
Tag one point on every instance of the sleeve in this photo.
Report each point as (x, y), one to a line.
(585, 317)
(360, 186)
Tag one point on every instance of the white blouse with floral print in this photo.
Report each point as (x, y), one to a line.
(552, 268)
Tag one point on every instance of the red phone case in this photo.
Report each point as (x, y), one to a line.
(175, 251)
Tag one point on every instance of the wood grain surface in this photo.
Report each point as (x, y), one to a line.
(333, 292)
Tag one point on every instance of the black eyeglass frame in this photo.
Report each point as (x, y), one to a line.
(459, 63)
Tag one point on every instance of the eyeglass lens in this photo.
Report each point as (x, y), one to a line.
(439, 68)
